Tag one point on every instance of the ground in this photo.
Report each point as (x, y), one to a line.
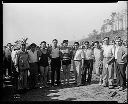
(92, 92)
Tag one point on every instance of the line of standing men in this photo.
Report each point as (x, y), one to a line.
(28, 63)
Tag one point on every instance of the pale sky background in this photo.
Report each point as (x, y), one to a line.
(46, 21)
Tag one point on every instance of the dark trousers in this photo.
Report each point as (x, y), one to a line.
(55, 67)
(121, 75)
(88, 66)
(9, 66)
(33, 74)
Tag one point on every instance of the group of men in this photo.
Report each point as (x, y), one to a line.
(105, 58)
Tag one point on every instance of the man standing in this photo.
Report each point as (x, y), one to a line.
(121, 56)
(66, 61)
(55, 62)
(98, 56)
(22, 62)
(108, 62)
(8, 51)
(33, 61)
(78, 63)
(88, 63)
(76, 46)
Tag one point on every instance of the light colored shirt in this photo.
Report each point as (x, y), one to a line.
(32, 56)
(13, 55)
(121, 51)
(79, 55)
(108, 50)
(7, 52)
(88, 53)
(116, 50)
(55, 52)
(98, 54)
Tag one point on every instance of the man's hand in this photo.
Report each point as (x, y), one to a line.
(106, 66)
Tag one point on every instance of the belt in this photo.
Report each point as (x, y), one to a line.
(66, 59)
(56, 58)
(77, 60)
(107, 57)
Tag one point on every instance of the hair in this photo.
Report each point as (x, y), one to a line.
(65, 41)
(54, 40)
(43, 42)
(76, 43)
(86, 42)
(106, 37)
(8, 44)
(33, 44)
(96, 42)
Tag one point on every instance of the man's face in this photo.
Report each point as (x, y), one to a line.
(118, 42)
(55, 43)
(33, 48)
(43, 45)
(76, 46)
(65, 44)
(86, 45)
(23, 47)
(106, 41)
(9, 45)
(96, 45)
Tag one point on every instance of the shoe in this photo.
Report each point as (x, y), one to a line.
(78, 85)
(117, 87)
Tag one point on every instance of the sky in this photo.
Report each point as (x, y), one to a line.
(47, 21)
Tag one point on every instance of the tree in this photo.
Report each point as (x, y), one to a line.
(113, 15)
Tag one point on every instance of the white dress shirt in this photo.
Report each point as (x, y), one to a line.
(79, 55)
(108, 50)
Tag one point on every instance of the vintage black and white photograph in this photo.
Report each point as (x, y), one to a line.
(64, 52)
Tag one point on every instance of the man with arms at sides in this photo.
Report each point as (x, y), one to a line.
(33, 61)
(98, 56)
(79, 63)
(88, 63)
(76, 46)
(108, 62)
(66, 61)
(55, 54)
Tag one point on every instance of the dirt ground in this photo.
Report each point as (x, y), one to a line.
(92, 92)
